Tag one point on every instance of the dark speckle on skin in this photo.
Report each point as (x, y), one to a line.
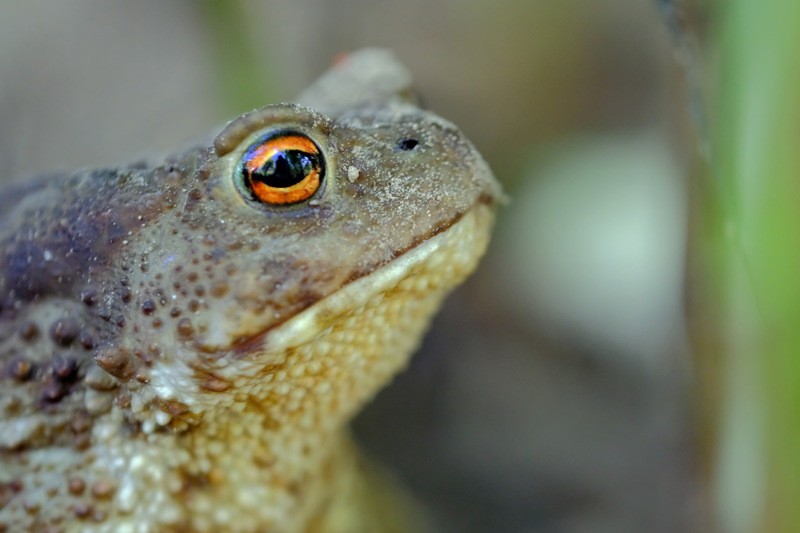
(76, 485)
(124, 294)
(89, 296)
(20, 369)
(103, 489)
(148, 306)
(86, 340)
(65, 369)
(82, 510)
(185, 328)
(219, 289)
(54, 391)
(65, 330)
(28, 330)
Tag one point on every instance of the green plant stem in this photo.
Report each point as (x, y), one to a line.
(757, 163)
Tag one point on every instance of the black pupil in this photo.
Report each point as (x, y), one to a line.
(286, 168)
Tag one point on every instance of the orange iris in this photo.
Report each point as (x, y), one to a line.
(286, 168)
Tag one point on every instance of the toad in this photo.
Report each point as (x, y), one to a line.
(183, 344)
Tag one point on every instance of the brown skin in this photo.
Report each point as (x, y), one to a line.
(151, 319)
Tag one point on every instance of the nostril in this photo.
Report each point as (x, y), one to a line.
(407, 144)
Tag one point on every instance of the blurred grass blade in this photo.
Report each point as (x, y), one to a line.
(757, 162)
(242, 71)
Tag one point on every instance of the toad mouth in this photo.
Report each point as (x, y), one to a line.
(385, 274)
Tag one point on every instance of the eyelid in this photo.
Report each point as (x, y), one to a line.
(238, 130)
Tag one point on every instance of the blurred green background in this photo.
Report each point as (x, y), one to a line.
(586, 379)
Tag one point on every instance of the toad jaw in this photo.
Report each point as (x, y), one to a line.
(374, 321)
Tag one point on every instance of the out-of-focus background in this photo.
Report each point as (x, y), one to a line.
(557, 390)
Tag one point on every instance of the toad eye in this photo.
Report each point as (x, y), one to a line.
(283, 168)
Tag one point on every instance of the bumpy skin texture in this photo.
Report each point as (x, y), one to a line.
(175, 356)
